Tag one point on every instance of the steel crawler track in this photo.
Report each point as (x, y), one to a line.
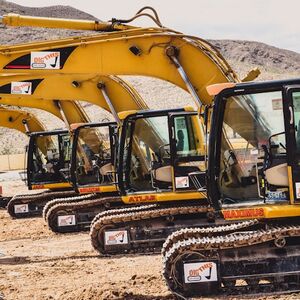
(255, 259)
(4, 201)
(53, 202)
(71, 216)
(188, 233)
(31, 205)
(141, 229)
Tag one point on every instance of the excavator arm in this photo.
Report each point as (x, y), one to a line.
(68, 110)
(91, 88)
(22, 121)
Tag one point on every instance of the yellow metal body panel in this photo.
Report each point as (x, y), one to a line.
(163, 197)
(123, 114)
(52, 186)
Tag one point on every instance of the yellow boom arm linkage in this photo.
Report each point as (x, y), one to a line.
(22, 121)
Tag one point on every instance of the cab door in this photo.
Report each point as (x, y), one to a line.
(187, 144)
(93, 151)
(292, 117)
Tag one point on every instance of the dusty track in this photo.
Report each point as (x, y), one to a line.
(38, 264)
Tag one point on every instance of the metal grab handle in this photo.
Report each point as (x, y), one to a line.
(291, 115)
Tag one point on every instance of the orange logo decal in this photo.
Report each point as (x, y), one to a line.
(114, 237)
(142, 198)
(196, 272)
(48, 56)
(38, 186)
(90, 190)
(243, 213)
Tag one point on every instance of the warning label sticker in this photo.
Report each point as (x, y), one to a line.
(48, 60)
(182, 182)
(277, 104)
(200, 272)
(68, 220)
(119, 237)
(21, 88)
(21, 208)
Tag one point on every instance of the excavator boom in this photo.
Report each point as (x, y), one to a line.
(185, 61)
(84, 87)
(22, 121)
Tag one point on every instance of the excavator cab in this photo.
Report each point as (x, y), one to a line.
(93, 154)
(161, 152)
(255, 145)
(48, 158)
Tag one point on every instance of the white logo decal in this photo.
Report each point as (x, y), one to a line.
(21, 88)
(69, 220)
(21, 208)
(45, 60)
(119, 237)
(200, 272)
(182, 182)
(277, 104)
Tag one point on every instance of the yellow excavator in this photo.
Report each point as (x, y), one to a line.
(188, 62)
(252, 245)
(110, 93)
(22, 121)
(56, 185)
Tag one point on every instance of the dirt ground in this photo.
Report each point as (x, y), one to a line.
(38, 264)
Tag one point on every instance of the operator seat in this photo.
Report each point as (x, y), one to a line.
(276, 170)
(180, 141)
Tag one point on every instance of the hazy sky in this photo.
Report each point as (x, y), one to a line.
(275, 22)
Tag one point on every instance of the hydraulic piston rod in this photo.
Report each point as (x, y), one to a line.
(25, 123)
(172, 53)
(62, 113)
(101, 87)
